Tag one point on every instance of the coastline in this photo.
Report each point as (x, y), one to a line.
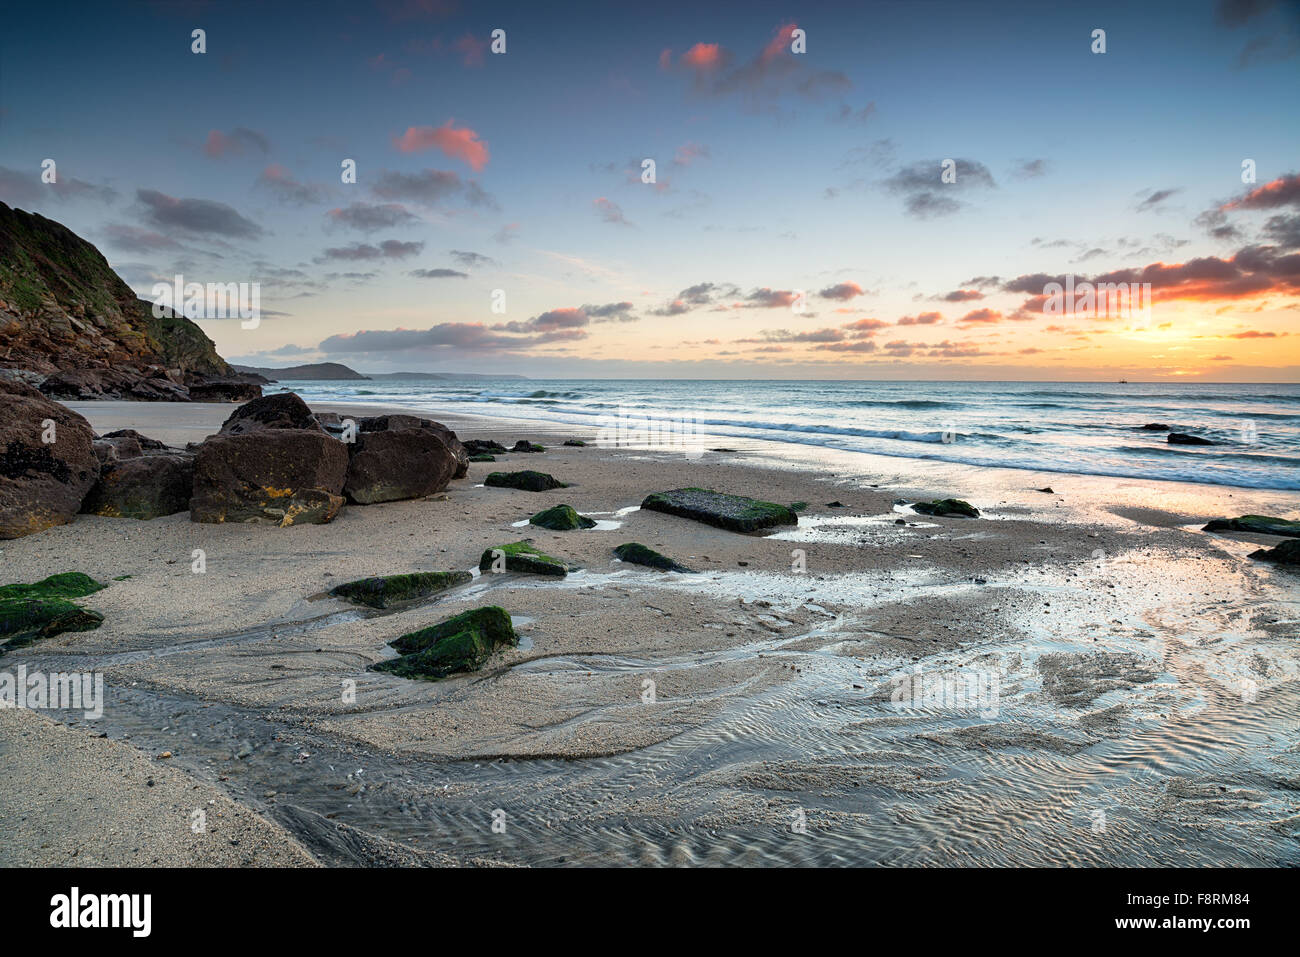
(1117, 634)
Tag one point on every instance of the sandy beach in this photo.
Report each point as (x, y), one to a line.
(1137, 697)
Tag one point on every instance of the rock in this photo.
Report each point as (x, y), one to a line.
(836, 504)
(947, 506)
(734, 512)
(527, 481)
(386, 423)
(1255, 523)
(41, 484)
(396, 464)
(148, 485)
(521, 557)
(385, 590)
(44, 609)
(1285, 553)
(143, 441)
(1045, 488)
(204, 389)
(561, 518)
(276, 476)
(576, 443)
(1154, 427)
(485, 447)
(458, 644)
(281, 410)
(523, 445)
(483, 457)
(638, 554)
(1182, 438)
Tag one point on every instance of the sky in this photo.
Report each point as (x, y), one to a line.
(799, 222)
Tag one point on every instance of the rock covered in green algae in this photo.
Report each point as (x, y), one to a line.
(44, 609)
(483, 457)
(1285, 553)
(384, 590)
(1255, 523)
(527, 480)
(458, 644)
(575, 443)
(947, 506)
(733, 512)
(521, 557)
(638, 554)
(561, 518)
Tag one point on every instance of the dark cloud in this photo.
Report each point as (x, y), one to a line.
(194, 215)
(371, 217)
(925, 194)
(280, 183)
(1155, 197)
(388, 249)
(431, 187)
(19, 188)
(439, 274)
(471, 260)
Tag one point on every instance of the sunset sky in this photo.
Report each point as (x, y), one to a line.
(776, 172)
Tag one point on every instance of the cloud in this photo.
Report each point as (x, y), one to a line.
(611, 312)
(846, 113)
(842, 292)
(1029, 169)
(1155, 198)
(471, 260)
(439, 274)
(388, 249)
(430, 187)
(962, 295)
(446, 337)
(702, 56)
(766, 298)
(463, 143)
(284, 187)
(195, 215)
(1283, 191)
(925, 194)
(136, 240)
(371, 217)
(238, 141)
(472, 49)
(981, 316)
(924, 319)
(610, 211)
(26, 189)
(688, 153)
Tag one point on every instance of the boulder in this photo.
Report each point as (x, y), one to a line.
(736, 513)
(947, 506)
(41, 484)
(1261, 524)
(383, 423)
(1284, 553)
(523, 445)
(576, 443)
(1182, 438)
(205, 389)
(483, 457)
(561, 518)
(1153, 427)
(44, 609)
(385, 590)
(276, 476)
(484, 447)
(398, 464)
(638, 554)
(148, 485)
(280, 410)
(461, 643)
(521, 557)
(527, 481)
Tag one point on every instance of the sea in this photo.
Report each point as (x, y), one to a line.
(1073, 427)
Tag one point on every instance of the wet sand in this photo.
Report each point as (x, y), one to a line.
(1138, 676)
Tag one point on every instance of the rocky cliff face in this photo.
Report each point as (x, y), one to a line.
(63, 310)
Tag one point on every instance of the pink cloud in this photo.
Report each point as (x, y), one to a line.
(702, 56)
(471, 49)
(779, 43)
(463, 143)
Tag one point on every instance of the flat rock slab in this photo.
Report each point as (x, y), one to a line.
(947, 506)
(561, 518)
(521, 557)
(1255, 523)
(381, 591)
(733, 512)
(638, 554)
(527, 480)
(458, 644)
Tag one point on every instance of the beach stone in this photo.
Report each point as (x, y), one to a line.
(947, 506)
(385, 423)
(384, 590)
(277, 476)
(394, 464)
(521, 557)
(483, 457)
(1182, 438)
(1285, 553)
(526, 480)
(733, 512)
(575, 443)
(44, 609)
(523, 445)
(148, 485)
(638, 554)
(485, 447)
(561, 518)
(1262, 524)
(1154, 427)
(281, 410)
(41, 484)
(459, 644)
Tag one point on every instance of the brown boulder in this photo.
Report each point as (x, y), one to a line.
(398, 463)
(382, 423)
(41, 484)
(144, 486)
(273, 475)
(282, 410)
